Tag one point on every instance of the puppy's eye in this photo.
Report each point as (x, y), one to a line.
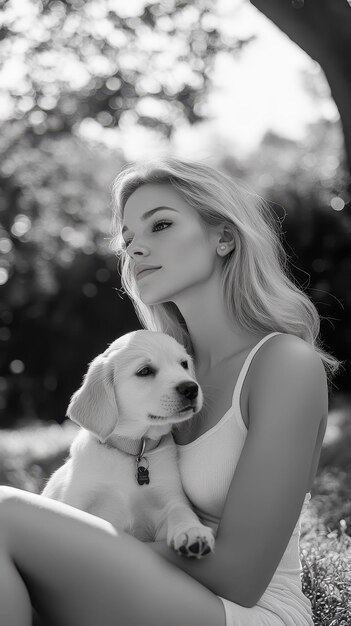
(185, 365)
(146, 371)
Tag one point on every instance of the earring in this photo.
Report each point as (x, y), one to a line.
(222, 247)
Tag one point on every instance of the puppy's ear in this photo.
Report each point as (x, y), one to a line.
(94, 405)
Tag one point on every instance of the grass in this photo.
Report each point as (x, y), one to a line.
(29, 455)
(326, 579)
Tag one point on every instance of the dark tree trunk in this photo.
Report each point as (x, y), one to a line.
(322, 28)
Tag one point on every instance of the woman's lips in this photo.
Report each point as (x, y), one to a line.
(148, 271)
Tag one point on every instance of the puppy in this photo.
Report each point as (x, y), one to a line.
(123, 463)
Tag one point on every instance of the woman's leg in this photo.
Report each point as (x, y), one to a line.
(78, 569)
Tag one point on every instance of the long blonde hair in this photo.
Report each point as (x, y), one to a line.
(256, 284)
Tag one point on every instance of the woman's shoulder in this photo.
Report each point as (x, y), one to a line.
(285, 359)
(285, 345)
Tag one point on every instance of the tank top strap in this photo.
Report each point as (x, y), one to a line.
(245, 367)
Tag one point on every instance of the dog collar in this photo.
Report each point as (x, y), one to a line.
(132, 446)
(136, 447)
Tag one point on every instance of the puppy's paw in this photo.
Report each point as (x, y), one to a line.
(194, 542)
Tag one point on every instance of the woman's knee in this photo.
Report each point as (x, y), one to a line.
(9, 500)
(7, 492)
(8, 495)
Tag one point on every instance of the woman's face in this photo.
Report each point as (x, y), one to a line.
(173, 239)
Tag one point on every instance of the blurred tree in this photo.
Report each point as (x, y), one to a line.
(58, 274)
(83, 59)
(322, 28)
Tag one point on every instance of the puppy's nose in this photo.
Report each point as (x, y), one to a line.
(188, 389)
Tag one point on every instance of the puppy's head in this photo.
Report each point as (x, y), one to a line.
(143, 379)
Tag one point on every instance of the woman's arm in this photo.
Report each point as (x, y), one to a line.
(273, 474)
(208, 571)
(270, 481)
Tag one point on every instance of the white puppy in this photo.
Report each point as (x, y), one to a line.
(123, 463)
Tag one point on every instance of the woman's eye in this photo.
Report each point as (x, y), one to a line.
(128, 241)
(185, 365)
(161, 222)
(145, 371)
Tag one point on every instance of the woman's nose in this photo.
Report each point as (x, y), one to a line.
(137, 249)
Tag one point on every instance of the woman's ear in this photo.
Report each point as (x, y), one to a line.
(227, 239)
(94, 405)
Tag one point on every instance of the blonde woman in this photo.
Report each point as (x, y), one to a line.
(220, 285)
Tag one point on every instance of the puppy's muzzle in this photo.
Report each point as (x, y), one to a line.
(187, 390)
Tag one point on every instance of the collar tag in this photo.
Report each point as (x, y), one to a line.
(142, 472)
(131, 446)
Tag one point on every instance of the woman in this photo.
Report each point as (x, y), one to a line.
(247, 462)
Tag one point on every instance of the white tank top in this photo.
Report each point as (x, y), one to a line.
(207, 465)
